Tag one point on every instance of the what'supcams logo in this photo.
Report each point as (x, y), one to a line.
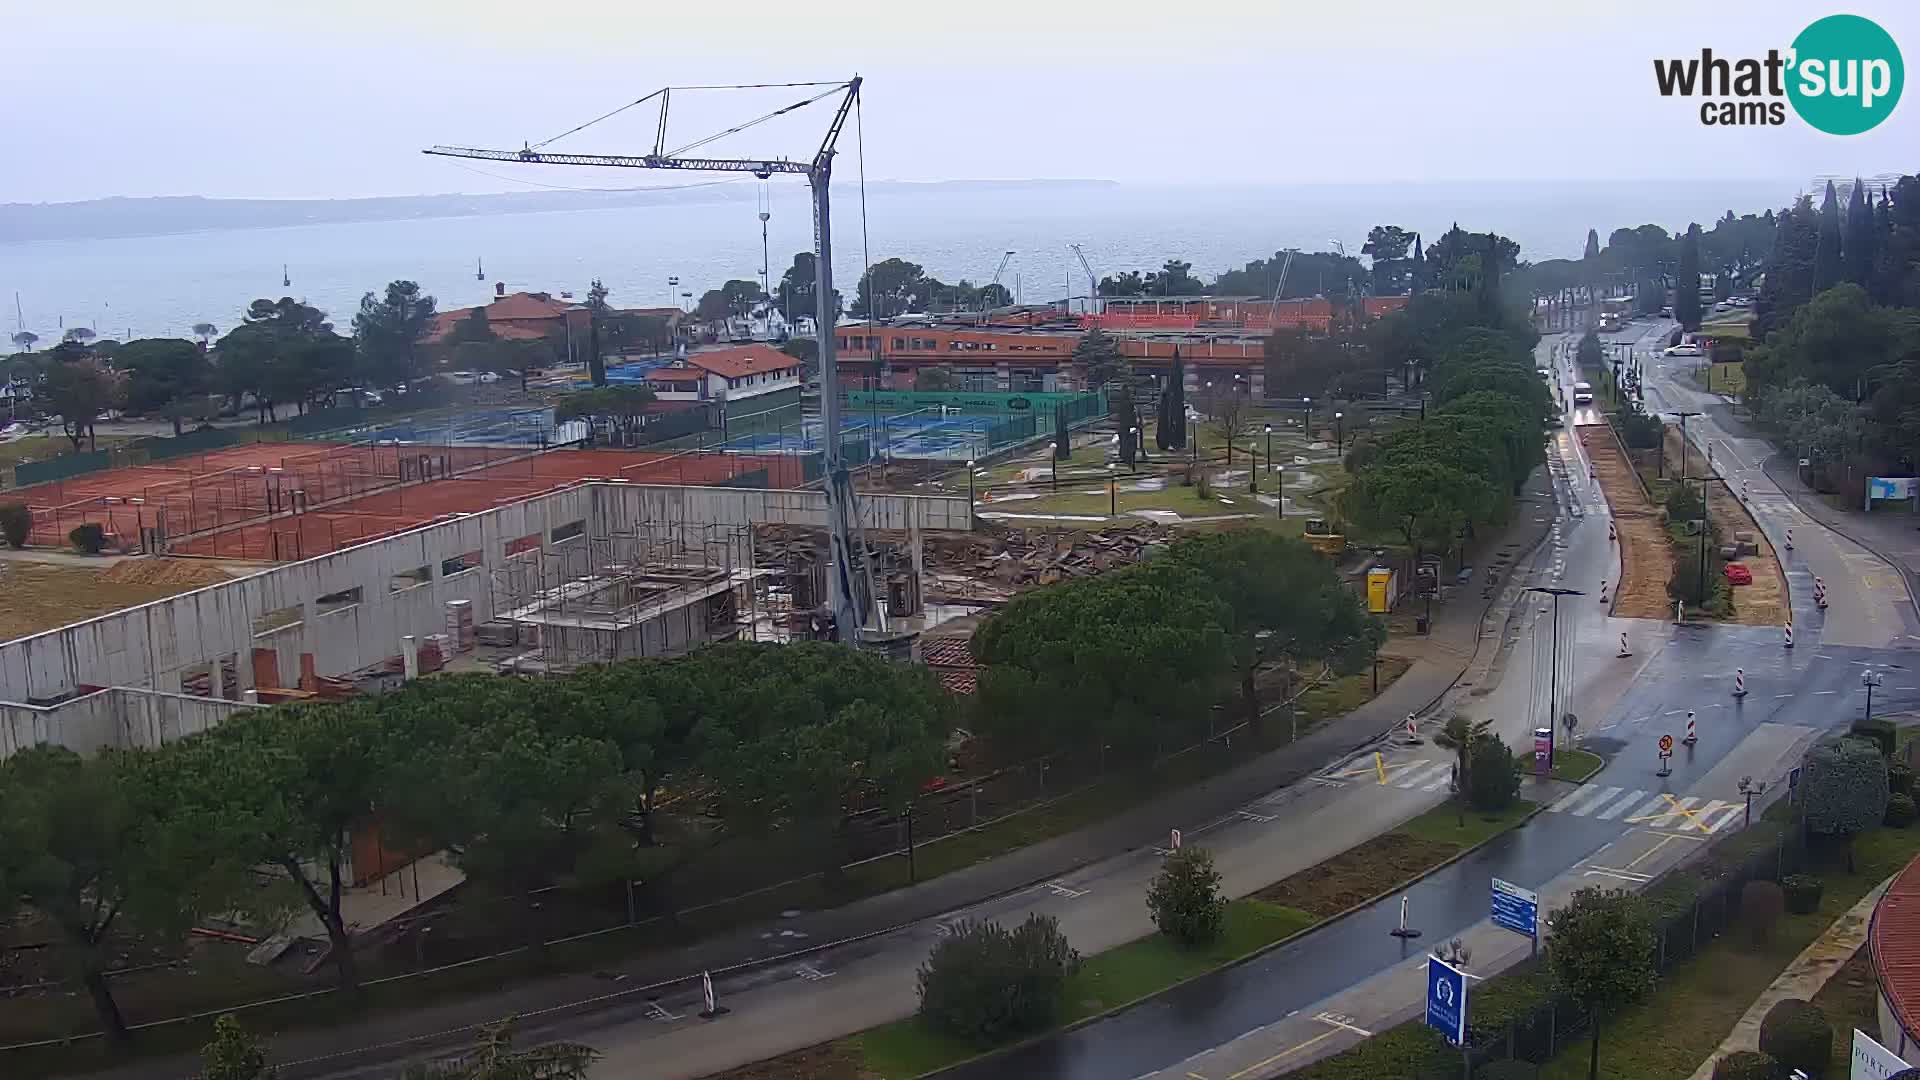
(1842, 75)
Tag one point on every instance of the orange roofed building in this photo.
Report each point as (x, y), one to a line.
(520, 316)
(745, 371)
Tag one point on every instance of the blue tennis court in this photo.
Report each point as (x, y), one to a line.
(505, 426)
(914, 435)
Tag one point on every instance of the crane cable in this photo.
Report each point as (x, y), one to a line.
(738, 128)
(866, 254)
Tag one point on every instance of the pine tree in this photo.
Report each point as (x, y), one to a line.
(1593, 244)
(1171, 431)
(1686, 285)
(1826, 254)
(1859, 246)
(1789, 275)
(1418, 273)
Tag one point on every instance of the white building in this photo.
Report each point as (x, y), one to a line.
(744, 371)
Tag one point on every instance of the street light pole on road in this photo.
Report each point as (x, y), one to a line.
(1553, 681)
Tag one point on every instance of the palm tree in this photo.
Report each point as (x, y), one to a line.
(24, 340)
(205, 331)
(1459, 735)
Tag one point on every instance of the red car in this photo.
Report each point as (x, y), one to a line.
(1738, 574)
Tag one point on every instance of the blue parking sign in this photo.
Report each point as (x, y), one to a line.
(1447, 1000)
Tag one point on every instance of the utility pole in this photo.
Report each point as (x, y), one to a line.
(1683, 443)
(1553, 680)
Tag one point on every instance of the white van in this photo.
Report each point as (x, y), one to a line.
(1582, 393)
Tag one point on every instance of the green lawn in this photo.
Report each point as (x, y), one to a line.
(1444, 824)
(1105, 981)
(1575, 765)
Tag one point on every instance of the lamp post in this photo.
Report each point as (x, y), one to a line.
(1339, 434)
(1869, 679)
(1054, 467)
(1133, 440)
(1113, 494)
(1683, 443)
(969, 488)
(1253, 468)
(1553, 682)
(1306, 418)
(1749, 788)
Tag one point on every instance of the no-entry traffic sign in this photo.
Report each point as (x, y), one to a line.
(1666, 744)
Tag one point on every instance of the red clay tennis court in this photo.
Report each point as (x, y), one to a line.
(208, 492)
(420, 499)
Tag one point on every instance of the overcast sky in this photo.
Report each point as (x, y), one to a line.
(335, 97)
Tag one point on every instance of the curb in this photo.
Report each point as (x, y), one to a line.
(1906, 573)
(1001, 1051)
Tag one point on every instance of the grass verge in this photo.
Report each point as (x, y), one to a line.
(1389, 860)
(1109, 980)
(1575, 766)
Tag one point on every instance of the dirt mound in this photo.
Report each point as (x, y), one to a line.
(1646, 554)
(175, 573)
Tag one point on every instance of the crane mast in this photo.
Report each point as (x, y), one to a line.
(851, 593)
(1093, 288)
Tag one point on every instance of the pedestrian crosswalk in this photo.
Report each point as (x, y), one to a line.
(1656, 810)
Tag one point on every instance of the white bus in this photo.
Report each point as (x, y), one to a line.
(1582, 393)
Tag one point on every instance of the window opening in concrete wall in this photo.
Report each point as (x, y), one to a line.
(572, 529)
(529, 542)
(410, 579)
(460, 564)
(277, 620)
(336, 601)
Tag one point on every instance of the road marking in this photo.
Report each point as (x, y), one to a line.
(1328, 781)
(1571, 798)
(1380, 766)
(1620, 805)
(1644, 813)
(1715, 705)
(1621, 874)
(1583, 811)
(1648, 854)
(1410, 779)
(1374, 769)
(813, 974)
(1071, 893)
(1251, 816)
(1782, 695)
(1823, 692)
(1345, 1022)
(1288, 1052)
(1733, 811)
(659, 1012)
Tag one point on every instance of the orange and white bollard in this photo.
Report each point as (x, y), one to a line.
(1819, 593)
(1691, 737)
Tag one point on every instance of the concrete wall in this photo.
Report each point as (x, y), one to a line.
(119, 716)
(151, 646)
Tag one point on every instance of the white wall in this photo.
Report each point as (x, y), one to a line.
(151, 646)
(122, 717)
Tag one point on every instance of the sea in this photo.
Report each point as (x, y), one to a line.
(150, 286)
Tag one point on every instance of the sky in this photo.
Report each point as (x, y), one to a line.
(335, 98)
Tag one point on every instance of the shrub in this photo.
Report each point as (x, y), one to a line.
(1878, 731)
(1746, 1065)
(1761, 904)
(16, 521)
(1900, 811)
(1493, 775)
(1844, 789)
(985, 983)
(1796, 1033)
(89, 538)
(1899, 778)
(1683, 504)
(1185, 898)
(1803, 893)
(1509, 1069)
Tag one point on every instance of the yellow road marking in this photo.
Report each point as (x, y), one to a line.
(1288, 1052)
(1648, 854)
(1380, 764)
(1195, 1076)
(1376, 768)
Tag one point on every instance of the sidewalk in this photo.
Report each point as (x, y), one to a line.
(1803, 978)
(1892, 535)
(1466, 633)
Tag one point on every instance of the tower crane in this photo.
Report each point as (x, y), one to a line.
(1093, 288)
(985, 301)
(1286, 264)
(851, 594)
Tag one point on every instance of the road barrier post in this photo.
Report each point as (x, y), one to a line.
(1624, 651)
(1788, 640)
(1691, 737)
(1739, 682)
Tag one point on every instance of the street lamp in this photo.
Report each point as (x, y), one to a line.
(1339, 434)
(1133, 441)
(1683, 443)
(1253, 468)
(1113, 494)
(1869, 679)
(969, 488)
(1553, 683)
(1750, 787)
(1054, 467)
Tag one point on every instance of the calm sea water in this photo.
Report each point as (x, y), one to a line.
(154, 286)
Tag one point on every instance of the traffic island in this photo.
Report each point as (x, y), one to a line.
(1646, 555)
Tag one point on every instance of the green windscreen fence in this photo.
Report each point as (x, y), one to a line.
(60, 468)
(1080, 405)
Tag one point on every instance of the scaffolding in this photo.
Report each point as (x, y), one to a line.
(660, 589)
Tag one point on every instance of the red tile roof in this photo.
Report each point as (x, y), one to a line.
(743, 360)
(526, 306)
(1895, 936)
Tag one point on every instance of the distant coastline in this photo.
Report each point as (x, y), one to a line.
(119, 218)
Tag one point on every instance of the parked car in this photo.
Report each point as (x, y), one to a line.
(1683, 349)
(1738, 574)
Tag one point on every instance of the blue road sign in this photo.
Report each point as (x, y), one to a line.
(1793, 779)
(1516, 908)
(1447, 1000)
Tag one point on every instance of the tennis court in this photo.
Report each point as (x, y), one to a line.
(502, 426)
(921, 434)
(309, 533)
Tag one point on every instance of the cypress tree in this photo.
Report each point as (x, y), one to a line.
(1686, 286)
(1062, 442)
(1418, 274)
(1172, 432)
(1593, 244)
(1826, 253)
(1859, 246)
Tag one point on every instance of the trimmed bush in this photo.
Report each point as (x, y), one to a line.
(89, 538)
(1803, 893)
(1185, 898)
(1746, 1065)
(1878, 731)
(16, 521)
(1900, 811)
(1796, 1033)
(1509, 1069)
(1761, 904)
(1900, 777)
(1493, 775)
(985, 983)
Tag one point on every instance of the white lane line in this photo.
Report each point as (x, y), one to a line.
(1620, 805)
(1646, 812)
(1413, 778)
(1344, 1022)
(1623, 875)
(1823, 692)
(1569, 799)
(1733, 811)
